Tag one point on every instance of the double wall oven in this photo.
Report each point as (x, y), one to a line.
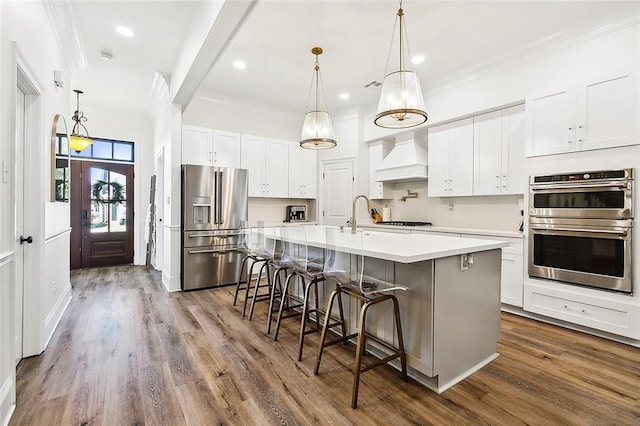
(580, 228)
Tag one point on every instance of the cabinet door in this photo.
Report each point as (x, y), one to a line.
(608, 111)
(226, 149)
(252, 159)
(512, 279)
(551, 122)
(513, 178)
(487, 153)
(438, 154)
(461, 158)
(276, 169)
(303, 172)
(308, 172)
(196, 145)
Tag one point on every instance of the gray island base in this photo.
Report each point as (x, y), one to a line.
(451, 311)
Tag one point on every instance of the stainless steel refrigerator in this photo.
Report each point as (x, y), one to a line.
(214, 203)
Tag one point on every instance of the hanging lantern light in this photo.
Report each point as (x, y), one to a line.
(79, 139)
(317, 131)
(401, 104)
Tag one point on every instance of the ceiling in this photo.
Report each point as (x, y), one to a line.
(275, 41)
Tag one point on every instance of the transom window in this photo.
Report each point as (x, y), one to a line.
(102, 149)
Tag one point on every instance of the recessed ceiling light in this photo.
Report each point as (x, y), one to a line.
(418, 59)
(124, 31)
(344, 96)
(239, 64)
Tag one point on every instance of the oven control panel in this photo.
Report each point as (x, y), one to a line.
(623, 174)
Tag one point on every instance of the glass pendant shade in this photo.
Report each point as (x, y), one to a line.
(79, 143)
(79, 139)
(401, 103)
(317, 131)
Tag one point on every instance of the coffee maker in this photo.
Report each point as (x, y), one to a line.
(296, 214)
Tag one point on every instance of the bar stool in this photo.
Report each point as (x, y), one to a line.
(348, 272)
(306, 266)
(273, 251)
(252, 241)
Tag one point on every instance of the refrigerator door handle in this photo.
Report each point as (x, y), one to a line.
(215, 197)
(212, 251)
(219, 199)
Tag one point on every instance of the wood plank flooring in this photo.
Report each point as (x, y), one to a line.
(128, 353)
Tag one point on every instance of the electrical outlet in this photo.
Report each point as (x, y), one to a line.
(466, 261)
(55, 287)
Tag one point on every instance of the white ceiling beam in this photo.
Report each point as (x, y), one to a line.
(209, 37)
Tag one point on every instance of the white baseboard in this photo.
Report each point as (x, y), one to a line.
(7, 401)
(170, 283)
(53, 318)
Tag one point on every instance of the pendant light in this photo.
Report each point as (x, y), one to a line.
(401, 104)
(79, 139)
(317, 131)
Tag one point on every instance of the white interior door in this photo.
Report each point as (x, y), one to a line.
(19, 225)
(337, 192)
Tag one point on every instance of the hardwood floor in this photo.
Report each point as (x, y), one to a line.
(127, 352)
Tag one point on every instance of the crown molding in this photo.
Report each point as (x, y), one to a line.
(65, 23)
(530, 52)
(223, 100)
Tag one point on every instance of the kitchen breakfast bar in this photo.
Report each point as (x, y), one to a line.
(451, 310)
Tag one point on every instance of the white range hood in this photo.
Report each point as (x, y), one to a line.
(406, 162)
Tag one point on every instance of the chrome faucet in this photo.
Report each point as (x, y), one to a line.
(353, 210)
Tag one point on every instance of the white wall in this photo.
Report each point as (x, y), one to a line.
(25, 29)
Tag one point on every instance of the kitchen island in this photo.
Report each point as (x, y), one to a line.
(451, 310)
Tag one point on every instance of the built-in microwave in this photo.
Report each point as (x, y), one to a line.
(600, 195)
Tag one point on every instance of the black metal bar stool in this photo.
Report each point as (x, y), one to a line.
(348, 272)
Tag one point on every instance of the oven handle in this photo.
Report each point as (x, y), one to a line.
(603, 185)
(213, 235)
(578, 232)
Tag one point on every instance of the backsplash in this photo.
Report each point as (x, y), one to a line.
(273, 210)
(500, 212)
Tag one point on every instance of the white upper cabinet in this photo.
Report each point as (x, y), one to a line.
(596, 113)
(498, 143)
(451, 159)
(303, 172)
(378, 150)
(268, 165)
(207, 147)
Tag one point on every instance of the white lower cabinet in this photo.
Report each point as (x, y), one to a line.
(512, 274)
(573, 305)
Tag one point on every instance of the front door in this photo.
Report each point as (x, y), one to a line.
(101, 214)
(337, 179)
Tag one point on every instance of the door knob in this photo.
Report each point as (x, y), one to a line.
(29, 239)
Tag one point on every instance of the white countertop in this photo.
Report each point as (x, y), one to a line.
(453, 230)
(403, 248)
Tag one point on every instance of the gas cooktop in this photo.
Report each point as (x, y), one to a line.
(404, 223)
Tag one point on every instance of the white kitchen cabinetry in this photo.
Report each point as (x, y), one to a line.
(451, 159)
(498, 145)
(583, 307)
(600, 112)
(268, 165)
(303, 172)
(378, 150)
(208, 147)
